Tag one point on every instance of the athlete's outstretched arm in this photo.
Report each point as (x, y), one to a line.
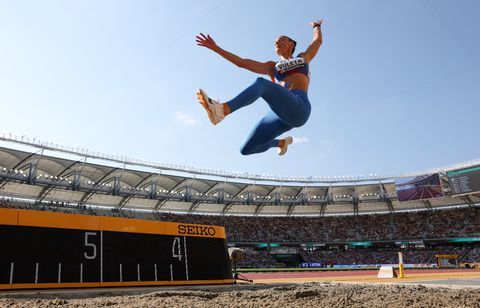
(311, 51)
(265, 68)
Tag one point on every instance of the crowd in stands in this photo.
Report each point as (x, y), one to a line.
(50, 206)
(258, 259)
(390, 256)
(412, 225)
(328, 258)
(461, 222)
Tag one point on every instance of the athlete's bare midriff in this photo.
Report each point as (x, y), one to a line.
(296, 82)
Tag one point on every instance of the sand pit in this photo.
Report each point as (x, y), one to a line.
(285, 295)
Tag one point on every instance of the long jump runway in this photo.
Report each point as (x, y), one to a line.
(444, 277)
(454, 278)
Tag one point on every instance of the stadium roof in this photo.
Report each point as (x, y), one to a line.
(85, 177)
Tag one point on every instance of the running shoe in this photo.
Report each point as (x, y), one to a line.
(214, 108)
(288, 141)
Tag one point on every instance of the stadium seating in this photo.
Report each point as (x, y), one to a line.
(453, 223)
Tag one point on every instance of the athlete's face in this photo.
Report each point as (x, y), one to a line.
(283, 45)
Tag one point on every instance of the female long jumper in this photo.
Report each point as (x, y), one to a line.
(286, 93)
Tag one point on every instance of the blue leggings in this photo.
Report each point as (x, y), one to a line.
(289, 109)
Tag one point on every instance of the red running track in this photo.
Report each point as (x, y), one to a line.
(319, 274)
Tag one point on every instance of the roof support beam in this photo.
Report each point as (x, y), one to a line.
(323, 208)
(235, 198)
(125, 199)
(355, 208)
(290, 210)
(259, 208)
(19, 164)
(46, 190)
(386, 198)
(3, 183)
(428, 205)
(86, 196)
(468, 200)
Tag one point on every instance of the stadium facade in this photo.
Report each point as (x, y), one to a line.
(44, 172)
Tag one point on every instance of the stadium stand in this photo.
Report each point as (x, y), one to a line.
(335, 229)
(316, 218)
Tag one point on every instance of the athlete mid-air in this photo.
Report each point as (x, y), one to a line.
(286, 93)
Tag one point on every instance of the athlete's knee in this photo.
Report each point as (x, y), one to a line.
(260, 80)
(246, 150)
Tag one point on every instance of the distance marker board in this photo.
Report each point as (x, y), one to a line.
(57, 250)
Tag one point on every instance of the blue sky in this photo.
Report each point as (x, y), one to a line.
(394, 88)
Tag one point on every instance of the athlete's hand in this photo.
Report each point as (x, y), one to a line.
(316, 23)
(206, 41)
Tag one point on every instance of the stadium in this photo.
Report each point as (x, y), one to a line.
(208, 147)
(285, 229)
